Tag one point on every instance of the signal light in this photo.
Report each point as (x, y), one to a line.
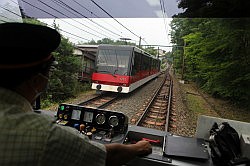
(62, 107)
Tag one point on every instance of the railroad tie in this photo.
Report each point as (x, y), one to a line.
(162, 104)
(159, 111)
(157, 117)
(155, 123)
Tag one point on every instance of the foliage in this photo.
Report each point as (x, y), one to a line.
(64, 79)
(214, 8)
(33, 21)
(151, 50)
(109, 41)
(63, 82)
(216, 55)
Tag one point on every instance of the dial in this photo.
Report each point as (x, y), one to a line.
(88, 116)
(100, 118)
(113, 121)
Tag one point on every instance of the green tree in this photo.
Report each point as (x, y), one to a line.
(63, 82)
(214, 8)
(216, 55)
(64, 79)
(151, 50)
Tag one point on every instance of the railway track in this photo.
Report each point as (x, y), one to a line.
(156, 114)
(101, 101)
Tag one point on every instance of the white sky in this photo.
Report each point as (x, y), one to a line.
(152, 30)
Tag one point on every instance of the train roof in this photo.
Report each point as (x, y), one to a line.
(125, 47)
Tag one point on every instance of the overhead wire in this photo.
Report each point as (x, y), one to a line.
(70, 33)
(3, 21)
(96, 15)
(163, 13)
(74, 20)
(11, 12)
(14, 2)
(60, 20)
(55, 17)
(7, 18)
(164, 17)
(65, 6)
(116, 19)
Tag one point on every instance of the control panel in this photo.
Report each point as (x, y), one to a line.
(168, 149)
(157, 141)
(99, 125)
(106, 126)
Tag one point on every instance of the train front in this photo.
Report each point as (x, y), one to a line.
(112, 69)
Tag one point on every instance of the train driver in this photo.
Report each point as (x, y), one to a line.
(27, 138)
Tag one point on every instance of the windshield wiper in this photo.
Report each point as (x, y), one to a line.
(115, 72)
(105, 71)
(116, 63)
(109, 72)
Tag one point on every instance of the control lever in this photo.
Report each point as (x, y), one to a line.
(151, 140)
(87, 129)
(111, 133)
(81, 128)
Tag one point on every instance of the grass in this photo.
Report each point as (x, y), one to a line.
(196, 104)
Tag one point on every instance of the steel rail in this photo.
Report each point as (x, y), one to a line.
(90, 100)
(169, 104)
(105, 104)
(139, 122)
(109, 102)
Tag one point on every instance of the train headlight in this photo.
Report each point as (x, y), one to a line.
(98, 87)
(119, 89)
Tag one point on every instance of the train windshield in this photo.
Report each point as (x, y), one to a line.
(113, 61)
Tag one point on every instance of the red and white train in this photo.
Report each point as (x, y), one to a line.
(123, 68)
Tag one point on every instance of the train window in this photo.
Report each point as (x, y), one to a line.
(149, 63)
(146, 63)
(152, 64)
(113, 61)
(143, 63)
(137, 63)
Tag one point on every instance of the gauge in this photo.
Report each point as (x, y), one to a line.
(113, 121)
(76, 114)
(88, 116)
(65, 117)
(60, 116)
(100, 118)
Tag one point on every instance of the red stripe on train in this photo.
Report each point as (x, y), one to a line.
(109, 79)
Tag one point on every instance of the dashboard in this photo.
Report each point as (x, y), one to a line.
(106, 127)
(75, 115)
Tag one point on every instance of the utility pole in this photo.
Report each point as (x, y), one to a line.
(140, 42)
(158, 53)
(183, 61)
(125, 40)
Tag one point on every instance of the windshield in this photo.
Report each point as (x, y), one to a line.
(204, 42)
(113, 61)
